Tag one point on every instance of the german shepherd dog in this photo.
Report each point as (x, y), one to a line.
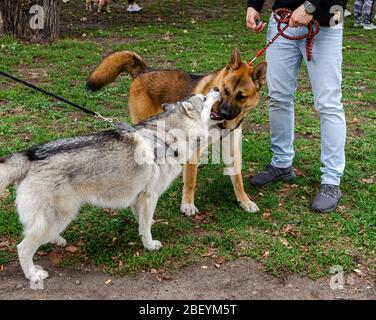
(239, 84)
(114, 169)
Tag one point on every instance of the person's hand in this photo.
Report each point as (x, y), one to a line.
(252, 17)
(300, 17)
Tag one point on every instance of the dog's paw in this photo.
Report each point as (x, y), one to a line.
(189, 209)
(248, 206)
(38, 274)
(153, 245)
(60, 241)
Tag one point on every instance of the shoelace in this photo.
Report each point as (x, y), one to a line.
(329, 190)
(273, 170)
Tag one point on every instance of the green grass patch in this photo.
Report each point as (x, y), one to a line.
(196, 36)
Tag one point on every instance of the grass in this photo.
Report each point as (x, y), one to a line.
(286, 236)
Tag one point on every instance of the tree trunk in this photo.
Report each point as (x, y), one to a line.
(31, 20)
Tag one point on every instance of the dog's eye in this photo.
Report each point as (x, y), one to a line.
(226, 92)
(240, 96)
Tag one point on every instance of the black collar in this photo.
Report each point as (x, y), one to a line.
(220, 125)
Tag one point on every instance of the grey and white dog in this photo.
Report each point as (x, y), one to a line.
(116, 169)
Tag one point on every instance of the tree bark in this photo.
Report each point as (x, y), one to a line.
(36, 21)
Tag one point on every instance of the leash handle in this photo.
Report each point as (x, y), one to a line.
(282, 16)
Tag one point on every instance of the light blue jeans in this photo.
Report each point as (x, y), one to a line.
(284, 58)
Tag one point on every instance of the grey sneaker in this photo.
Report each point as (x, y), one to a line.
(358, 25)
(327, 199)
(272, 174)
(369, 26)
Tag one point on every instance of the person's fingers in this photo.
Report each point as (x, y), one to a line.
(293, 22)
(251, 22)
(263, 26)
(260, 27)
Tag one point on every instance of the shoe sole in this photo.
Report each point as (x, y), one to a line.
(326, 210)
(285, 178)
(329, 209)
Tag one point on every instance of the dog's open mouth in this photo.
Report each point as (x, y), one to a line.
(215, 116)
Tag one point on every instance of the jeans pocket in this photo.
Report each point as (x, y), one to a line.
(272, 28)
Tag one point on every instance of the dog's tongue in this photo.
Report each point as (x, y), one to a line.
(215, 116)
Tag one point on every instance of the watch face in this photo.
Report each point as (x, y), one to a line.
(309, 7)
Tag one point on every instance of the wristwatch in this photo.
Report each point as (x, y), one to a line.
(309, 7)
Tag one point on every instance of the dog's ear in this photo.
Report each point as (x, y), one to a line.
(186, 108)
(168, 106)
(235, 61)
(259, 75)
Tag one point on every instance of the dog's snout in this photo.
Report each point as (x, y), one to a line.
(227, 112)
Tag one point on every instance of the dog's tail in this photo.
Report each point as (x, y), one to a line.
(112, 66)
(13, 169)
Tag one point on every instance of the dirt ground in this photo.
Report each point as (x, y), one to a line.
(241, 279)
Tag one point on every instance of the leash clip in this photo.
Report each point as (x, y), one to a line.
(108, 120)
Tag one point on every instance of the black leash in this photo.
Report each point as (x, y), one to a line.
(83, 109)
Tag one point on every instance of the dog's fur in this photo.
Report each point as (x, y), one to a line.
(99, 3)
(239, 84)
(55, 179)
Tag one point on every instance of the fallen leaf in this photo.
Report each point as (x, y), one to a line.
(204, 267)
(219, 260)
(153, 270)
(199, 217)
(367, 181)
(4, 195)
(5, 243)
(120, 264)
(71, 249)
(42, 253)
(55, 257)
(284, 242)
(265, 255)
(350, 281)
(370, 283)
(207, 254)
(358, 272)
(111, 212)
(288, 228)
(108, 281)
(161, 221)
(217, 265)
(251, 170)
(267, 214)
(132, 243)
(1, 268)
(299, 172)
